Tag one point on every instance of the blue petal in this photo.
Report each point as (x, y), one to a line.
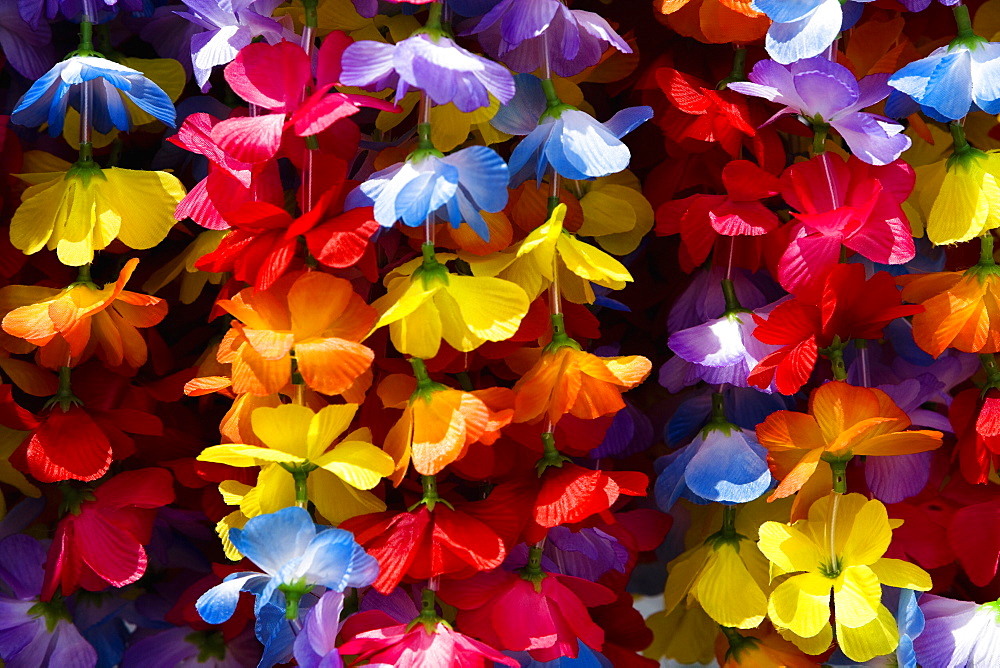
(670, 483)
(689, 418)
(627, 120)
(520, 115)
(728, 468)
(585, 147)
(807, 37)
(335, 561)
(786, 11)
(426, 193)
(153, 100)
(483, 174)
(529, 150)
(219, 603)
(272, 540)
(42, 92)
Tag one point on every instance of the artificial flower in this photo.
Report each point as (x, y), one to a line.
(843, 421)
(959, 309)
(70, 324)
(827, 93)
(713, 21)
(35, 633)
(316, 645)
(615, 212)
(526, 34)
(456, 187)
(762, 646)
(954, 78)
(227, 29)
(552, 254)
(957, 633)
(559, 135)
(109, 85)
(299, 442)
(439, 423)
(429, 62)
(803, 29)
(27, 46)
(425, 304)
(291, 321)
(543, 613)
(846, 561)
(569, 380)
(83, 208)
(101, 541)
(849, 306)
(838, 204)
(193, 280)
(296, 555)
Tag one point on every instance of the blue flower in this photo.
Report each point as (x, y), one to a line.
(48, 98)
(804, 28)
(296, 556)
(953, 80)
(574, 143)
(723, 463)
(454, 187)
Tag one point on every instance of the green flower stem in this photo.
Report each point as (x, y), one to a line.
(820, 132)
(83, 275)
(430, 497)
(986, 250)
(532, 571)
(964, 22)
(86, 36)
(428, 616)
(839, 468)
(64, 396)
(550, 454)
(729, 521)
(738, 73)
(301, 488)
(311, 15)
(551, 96)
(835, 353)
(729, 291)
(434, 17)
(989, 362)
(961, 144)
(560, 338)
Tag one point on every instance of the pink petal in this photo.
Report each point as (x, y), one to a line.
(270, 76)
(250, 139)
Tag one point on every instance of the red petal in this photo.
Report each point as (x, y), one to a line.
(251, 139)
(572, 493)
(68, 446)
(974, 534)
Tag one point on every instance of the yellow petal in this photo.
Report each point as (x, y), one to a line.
(337, 501)
(234, 520)
(683, 573)
(685, 635)
(789, 547)
(449, 126)
(801, 603)
(606, 211)
(868, 536)
(31, 226)
(233, 454)
(326, 425)
(856, 596)
(145, 200)
(817, 644)
(961, 207)
(487, 309)
(361, 465)
(902, 574)
(284, 428)
(727, 592)
(419, 333)
(876, 638)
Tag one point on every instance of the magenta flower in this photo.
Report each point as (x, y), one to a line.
(827, 93)
(843, 204)
(433, 64)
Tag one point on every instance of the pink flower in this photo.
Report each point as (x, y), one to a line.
(546, 615)
(387, 642)
(851, 204)
(100, 541)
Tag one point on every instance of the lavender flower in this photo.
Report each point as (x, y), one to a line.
(431, 63)
(827, 93)
(921, 5)
(316, 645)
(95, 11)
(527, 34)
(183, 646)
(33, 633)
(958, 633)
(229, 25)
(28, 47)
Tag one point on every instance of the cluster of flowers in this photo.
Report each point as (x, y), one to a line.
(383, 423)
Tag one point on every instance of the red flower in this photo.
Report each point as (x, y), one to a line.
(545, 615)
(976, 421)
(700, 219)
(424, 543)
(100, 541)
(849, 307)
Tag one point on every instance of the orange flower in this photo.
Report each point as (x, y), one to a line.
(961, 309)
(761, 646)
(439, 423)
(69, 325)
(843, 421)
(313, 319)
(568, 380)
(714, 21)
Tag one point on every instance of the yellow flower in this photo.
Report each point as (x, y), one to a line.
(83, 209)
(838, 548)
(685, 635)
(193, 280)
(426, 303)
(959, 197)
(297, 444)
(615, 212)
(549, 251)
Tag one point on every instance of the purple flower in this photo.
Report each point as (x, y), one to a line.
(183, 646)
(958, 633)
(96, 11)
(525, 34)
(28, 47)
(588, 553)
(630, 433)
(703, 299)
(316, 645)
(435, 65)
(32, 633)
(825, 92)
(805, 28)
(722, 350)
(921, 5)
(229, 26)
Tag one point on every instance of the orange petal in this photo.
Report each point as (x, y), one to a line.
(331, 366)
(798, 476)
